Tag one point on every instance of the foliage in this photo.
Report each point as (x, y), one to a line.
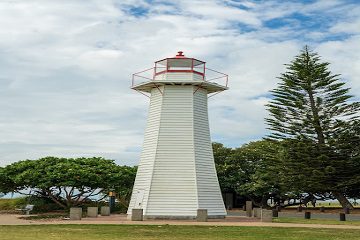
(6, 185)
(348, 150)
(124, 189)
(312, 113)
(40, 204)
(120, 207)
(67, 182)
(310, 103)
(249, 170)
(229, 174)
(12, 204)
(261, 168)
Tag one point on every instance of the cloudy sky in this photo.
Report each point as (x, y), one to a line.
(65, 66)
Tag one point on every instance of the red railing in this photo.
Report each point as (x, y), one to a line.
(212, 76)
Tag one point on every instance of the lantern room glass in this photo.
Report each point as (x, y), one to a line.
(180, 65)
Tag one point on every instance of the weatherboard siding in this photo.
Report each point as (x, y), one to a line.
(176, 175)
(173, 187)
(148, 154)
(209, 194)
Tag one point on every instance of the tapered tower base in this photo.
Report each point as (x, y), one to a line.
(176, 175)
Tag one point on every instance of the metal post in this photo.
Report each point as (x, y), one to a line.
(275, 213)
(278, 208)
(112, 201)
(342, 217)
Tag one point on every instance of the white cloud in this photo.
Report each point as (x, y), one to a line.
(214, 10)
(344, 57)
(66, 68)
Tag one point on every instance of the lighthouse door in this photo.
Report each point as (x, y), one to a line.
(139, 198)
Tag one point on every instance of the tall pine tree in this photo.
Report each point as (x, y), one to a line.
(311, 109)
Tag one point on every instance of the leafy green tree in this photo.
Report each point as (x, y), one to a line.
(229, 175)
(124, 188)
(67, 182)
(311, 110)
(348, 149)
(249, 170)
(3, 184)
(259, 163)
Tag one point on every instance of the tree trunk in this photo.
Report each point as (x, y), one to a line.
(317, 124)
(343, 200)
(54, 199)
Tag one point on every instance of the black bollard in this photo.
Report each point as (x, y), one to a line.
(347, 210)
(275, 213)
(307, 215)
(342, 217)
(112, 203)
(112, 200)
(278, 208)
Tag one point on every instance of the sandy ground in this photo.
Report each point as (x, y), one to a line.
(11, 219)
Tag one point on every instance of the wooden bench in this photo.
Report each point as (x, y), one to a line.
(26, 210)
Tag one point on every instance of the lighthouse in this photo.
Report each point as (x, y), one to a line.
(176, 175)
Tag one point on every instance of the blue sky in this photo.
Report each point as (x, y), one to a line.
(66, 66)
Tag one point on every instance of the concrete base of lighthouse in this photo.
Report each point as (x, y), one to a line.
(176, 174)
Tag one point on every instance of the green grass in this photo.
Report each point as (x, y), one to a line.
(315, 221)
(164, 232)
(11, 204)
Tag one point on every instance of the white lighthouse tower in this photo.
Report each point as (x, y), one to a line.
(176, 175)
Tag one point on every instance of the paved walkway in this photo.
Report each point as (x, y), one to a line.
(9, 219)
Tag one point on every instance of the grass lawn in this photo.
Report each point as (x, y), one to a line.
(315, 221)
(164, 232)
(11, 204)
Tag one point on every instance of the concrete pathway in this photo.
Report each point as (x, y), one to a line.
(9, 219)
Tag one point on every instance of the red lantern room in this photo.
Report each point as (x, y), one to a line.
(180, 64)
(180, 70)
